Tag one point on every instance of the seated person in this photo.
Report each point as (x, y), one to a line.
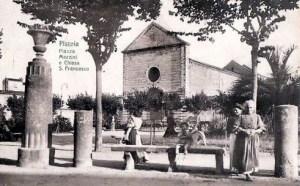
(189, 136)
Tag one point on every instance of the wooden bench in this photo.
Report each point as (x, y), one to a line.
(217, 151)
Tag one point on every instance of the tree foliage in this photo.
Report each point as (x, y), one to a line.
(172, 101)
(242, 91)
(259, 19)
(154, 99)
(81, 102)
(17, 108)
(110, 103)
(57, 103)
(198, 102)
(135, 101)
(280, 80)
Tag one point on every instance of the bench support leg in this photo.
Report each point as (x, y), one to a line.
(129, 162)
(219, 163)
(172, 160)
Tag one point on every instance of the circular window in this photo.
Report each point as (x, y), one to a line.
(153, 74)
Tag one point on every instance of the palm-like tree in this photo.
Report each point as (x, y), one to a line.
(280, 80)
(242, 91)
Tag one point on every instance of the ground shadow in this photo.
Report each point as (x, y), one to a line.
(114, 164)
(5, 161)
(68, 162)
(264, 173)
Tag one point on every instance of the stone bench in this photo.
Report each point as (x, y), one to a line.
(217, 151)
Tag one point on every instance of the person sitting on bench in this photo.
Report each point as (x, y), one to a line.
(189, 136)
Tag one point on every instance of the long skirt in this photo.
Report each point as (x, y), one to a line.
(245, 153)
(232, 138)
(135, 139)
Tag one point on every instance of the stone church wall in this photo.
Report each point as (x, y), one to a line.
(209, 79)
(169, 60)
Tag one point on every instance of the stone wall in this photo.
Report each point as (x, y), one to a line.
(209, 79)
(169, 60)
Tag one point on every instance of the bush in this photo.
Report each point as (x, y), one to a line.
(217, 127)
(17, 107)
(61, 124)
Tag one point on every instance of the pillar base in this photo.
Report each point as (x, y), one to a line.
(51, 156)
(83, 163)
(33, 158)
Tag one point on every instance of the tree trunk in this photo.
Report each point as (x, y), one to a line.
(98, 137)
(254, 56)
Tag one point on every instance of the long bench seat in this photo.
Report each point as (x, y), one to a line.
(217, 151)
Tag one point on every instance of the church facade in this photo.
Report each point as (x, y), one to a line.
(157, 58)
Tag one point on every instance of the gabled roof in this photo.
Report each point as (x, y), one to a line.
(154, 36)
(237, 68)
(214, 67)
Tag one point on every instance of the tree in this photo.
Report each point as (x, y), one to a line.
(135, 101)
(103, 20)
(260, 18)
(17, 108)
(242, 91)
(172, 101)
(198, 102)
(154, 101)
(81, 102)
(110, 104)
(277, 60)
(57, 103)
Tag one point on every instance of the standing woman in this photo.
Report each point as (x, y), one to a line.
(245, 158)
(132, 136)
(233, 121)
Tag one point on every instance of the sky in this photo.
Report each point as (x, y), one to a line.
(17, 49)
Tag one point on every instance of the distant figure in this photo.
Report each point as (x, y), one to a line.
(189, 136)
(236, 114)
(132, 136)
(171, 124)
(245, 156)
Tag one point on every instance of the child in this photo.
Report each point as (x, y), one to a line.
(189, 137)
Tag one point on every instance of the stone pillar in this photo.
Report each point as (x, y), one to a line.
(38, 104)
(38, 114)
(286, 141)
(83, 138)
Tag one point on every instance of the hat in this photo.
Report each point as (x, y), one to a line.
(237, 105)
